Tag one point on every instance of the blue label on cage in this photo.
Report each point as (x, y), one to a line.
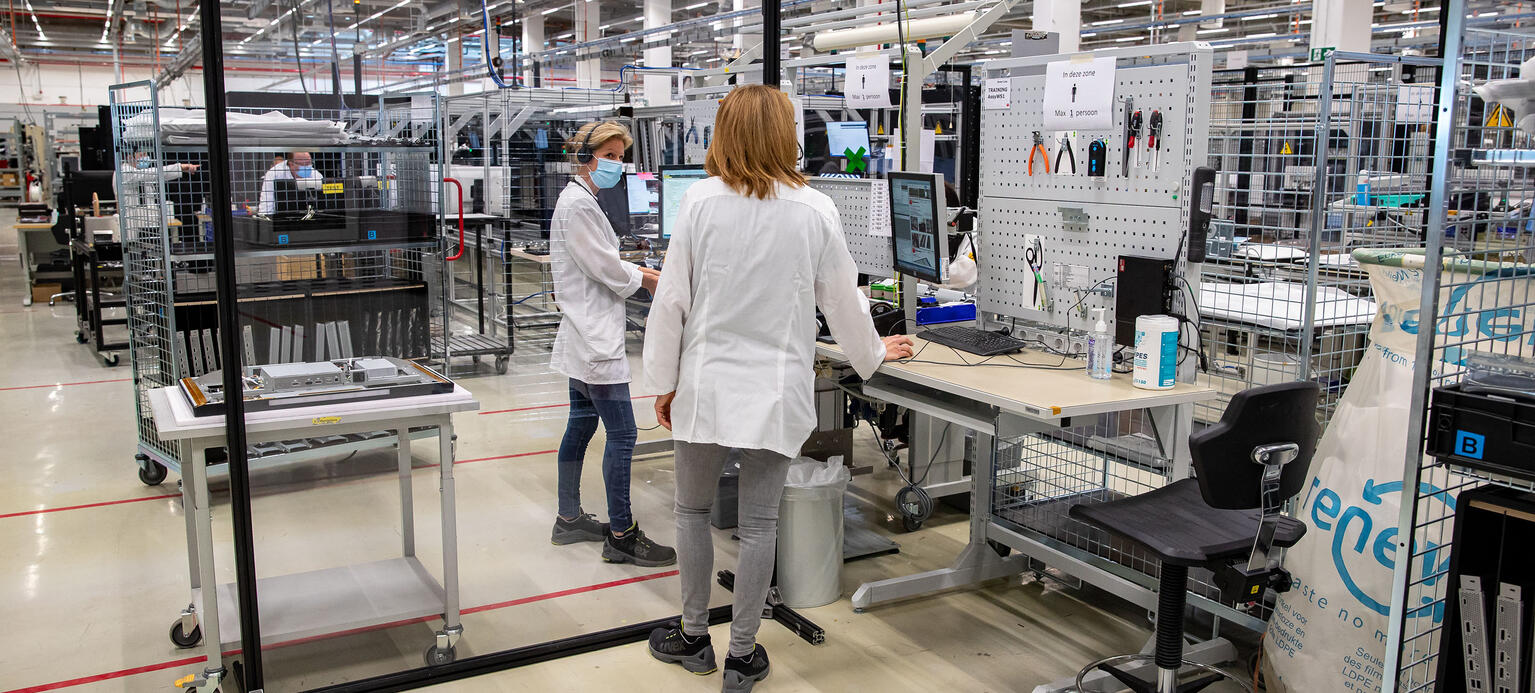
(282, 239)
(1470, 445)
(372, 235)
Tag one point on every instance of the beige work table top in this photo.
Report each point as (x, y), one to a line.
(1036, 393)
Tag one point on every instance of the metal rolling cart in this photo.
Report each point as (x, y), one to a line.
(331, 600)
(1475, 301)
(1294, 146)
(368, 293)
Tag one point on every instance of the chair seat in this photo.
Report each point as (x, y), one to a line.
(1176, 524)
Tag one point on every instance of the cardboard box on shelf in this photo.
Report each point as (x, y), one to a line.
(41, 292)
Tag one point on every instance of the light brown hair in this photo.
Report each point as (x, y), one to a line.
(604, 130)
(754, 144)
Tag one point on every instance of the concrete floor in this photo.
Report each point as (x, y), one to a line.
(96, 561)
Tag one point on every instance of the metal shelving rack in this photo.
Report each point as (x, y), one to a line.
(302, 303)
(1476, 284)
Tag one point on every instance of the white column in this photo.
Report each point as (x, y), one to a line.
(1341, 24)
(1209, 8)
(1063, 17)
(738, 42)
(588, 18)
(658, 87)
(532, 42)
(455, 63)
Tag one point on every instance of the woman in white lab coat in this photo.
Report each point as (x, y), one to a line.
(138, 179)
(730, 343)
(591, 283)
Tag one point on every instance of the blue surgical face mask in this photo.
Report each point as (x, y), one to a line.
(608, 173)
(145, 163)
(305, 171)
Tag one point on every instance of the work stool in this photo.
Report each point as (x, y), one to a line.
(1227, 519)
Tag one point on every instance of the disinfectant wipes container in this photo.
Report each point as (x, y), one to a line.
(810, 533)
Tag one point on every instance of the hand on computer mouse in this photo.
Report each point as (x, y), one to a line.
(897, 347)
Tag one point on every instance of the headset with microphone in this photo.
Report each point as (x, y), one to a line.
(584, 152)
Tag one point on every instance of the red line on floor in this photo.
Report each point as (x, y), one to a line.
(84, 382)
(551, 406)
(109, 675)
(88, 505)
(471, 610)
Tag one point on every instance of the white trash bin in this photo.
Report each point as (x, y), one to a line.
(810, 533)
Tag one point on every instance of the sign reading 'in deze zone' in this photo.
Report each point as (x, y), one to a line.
(1079, 95)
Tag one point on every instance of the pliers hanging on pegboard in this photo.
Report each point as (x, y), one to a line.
(1065, 152)
(1039, 148)
(1154, 139)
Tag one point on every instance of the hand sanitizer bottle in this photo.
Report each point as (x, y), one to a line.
(1100, 349)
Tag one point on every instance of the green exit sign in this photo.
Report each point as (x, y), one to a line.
(1320, 54)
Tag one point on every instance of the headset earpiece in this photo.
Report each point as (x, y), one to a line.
(584, 152)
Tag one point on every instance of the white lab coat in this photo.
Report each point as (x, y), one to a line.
(591, 283)
(732, 330)
(130, 180)
(268, 202)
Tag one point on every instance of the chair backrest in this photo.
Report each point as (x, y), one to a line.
(1222, 454)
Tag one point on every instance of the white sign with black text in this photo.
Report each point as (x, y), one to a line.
(1079, 95)
(868, 82)
(998, 94)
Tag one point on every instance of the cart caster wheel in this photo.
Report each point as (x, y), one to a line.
(911, 524)
(438, 657)
(111, 361)
(501, 364)
(80, 337)
(152, 474)
(184, 640)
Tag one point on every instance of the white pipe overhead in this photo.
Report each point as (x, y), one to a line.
(915, 30)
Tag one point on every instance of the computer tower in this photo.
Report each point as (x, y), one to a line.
(1143, 286)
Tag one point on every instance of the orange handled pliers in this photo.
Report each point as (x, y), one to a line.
(1039, 148)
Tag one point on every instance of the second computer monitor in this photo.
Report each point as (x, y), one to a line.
(644, 193)
(675, 180)
(847, 136)
(918, 216)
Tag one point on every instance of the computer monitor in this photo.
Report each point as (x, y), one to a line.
(847, 135)
(917, 219)
(644, 193)
(675, 180)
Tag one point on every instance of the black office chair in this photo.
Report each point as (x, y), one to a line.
(1248, 464)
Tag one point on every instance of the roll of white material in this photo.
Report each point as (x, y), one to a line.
(1156, 352)
(916, 30)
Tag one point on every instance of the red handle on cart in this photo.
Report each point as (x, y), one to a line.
(460, 187)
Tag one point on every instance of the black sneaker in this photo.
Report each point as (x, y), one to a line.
(634, 547)
(672, 646)
(741, 673)
(584, 528)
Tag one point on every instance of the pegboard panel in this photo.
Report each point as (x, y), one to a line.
(1009, 139)
(1083, 224)
(1071, 262)
(864, 205)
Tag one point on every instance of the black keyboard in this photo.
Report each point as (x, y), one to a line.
(975, 341)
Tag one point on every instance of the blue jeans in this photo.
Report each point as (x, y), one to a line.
(612, 406)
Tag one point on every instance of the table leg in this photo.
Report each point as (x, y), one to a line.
(407, 512)
(26, 265)
(449, 527)
(189, 513)
(195, 473)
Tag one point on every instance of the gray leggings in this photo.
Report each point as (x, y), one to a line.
(761, 486)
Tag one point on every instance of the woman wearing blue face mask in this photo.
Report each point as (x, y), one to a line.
(591, 282)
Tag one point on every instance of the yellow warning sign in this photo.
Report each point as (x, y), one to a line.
(324, 420)
(1286, 149)
(938, 129)
(1499, 118)
(880, 130)
(332, 188)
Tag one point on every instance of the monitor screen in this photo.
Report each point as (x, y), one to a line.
(675, 180)
(916, 218)
(644, 193)
(843, 136)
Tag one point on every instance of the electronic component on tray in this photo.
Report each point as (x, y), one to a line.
(1201, 203)
(1508, 624)
(1473, 625)
(278, 385)
(1143, 286)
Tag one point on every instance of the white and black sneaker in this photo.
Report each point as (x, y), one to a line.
(672, 646)
(741, 673)
(584, 528)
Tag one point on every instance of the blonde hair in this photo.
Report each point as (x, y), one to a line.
(754, 144)
(600, 131)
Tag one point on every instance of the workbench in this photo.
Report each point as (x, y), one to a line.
(32, 238)
(332, 600)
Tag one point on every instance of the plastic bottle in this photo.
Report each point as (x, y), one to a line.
(1100, 349)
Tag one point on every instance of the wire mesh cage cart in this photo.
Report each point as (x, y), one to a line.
(1475, 300)
(339, 254)
(1314, 161)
